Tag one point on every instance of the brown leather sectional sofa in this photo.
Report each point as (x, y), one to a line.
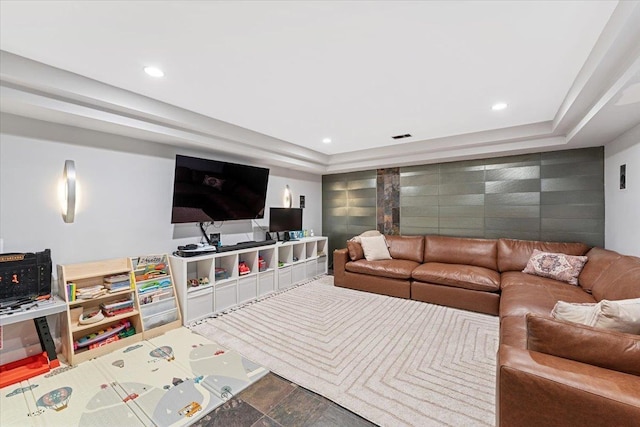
(550, 372)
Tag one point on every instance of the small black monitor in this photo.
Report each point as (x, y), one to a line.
(285, 219)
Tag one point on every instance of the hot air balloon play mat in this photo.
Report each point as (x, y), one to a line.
(170, 380)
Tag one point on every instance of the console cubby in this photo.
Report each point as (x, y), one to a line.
(285, 255)
(268, 255)
(228, 263)
(299, 252)
(311, 249)
(250, 259)
(279, 271)
(200, 273)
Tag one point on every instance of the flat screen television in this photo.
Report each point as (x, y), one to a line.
(285, 219)
(210, 190)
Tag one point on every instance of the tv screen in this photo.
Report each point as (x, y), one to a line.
(285, 219)
(210, 190)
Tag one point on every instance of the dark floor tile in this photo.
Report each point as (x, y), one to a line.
(300, 408)
(233, 413)
(336, 416)
(266, 422)
(267, 392)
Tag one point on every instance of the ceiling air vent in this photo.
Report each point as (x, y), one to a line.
(406, 135)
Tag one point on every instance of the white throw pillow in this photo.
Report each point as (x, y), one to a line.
(622, 315)
(370, 233)
(577, 313)
(375, 248)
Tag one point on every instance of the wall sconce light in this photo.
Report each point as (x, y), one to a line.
(69, 191)
(287, 199)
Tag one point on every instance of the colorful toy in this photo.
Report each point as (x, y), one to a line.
(243, 268)
(101, 335)
(190, 409)
(221, 273)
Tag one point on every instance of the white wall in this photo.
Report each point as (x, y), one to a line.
(622, 207)
(125, 187)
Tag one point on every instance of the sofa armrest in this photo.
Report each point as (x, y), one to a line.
(340, 259)
(600, 347)
(537, 389)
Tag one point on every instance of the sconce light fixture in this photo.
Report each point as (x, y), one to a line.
(287, 199)
(69, 191)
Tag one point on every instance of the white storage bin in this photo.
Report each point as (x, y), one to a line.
(297, 273)
(160, 319)
(266, 283)
(225, 297)
(310, 268)
(247, 289)
(157, 307)
(321, 267)
(284, 277)
(199, 304)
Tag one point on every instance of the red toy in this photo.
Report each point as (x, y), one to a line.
(243, 268)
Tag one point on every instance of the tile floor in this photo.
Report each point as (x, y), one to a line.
(276, 402)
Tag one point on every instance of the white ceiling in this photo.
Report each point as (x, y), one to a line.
(357, 72)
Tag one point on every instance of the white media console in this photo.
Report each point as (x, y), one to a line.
(283, 265)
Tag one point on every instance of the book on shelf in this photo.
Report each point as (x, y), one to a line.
(71, 291)
(117, 283)
(90, 292)
(118, 304)
(111, 313)
(117, 278)
(117, 307)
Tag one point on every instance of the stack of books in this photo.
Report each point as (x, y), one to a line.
(117, 283)
(90, 292)
(117, 307)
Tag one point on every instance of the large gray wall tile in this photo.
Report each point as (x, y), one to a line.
(546, 196)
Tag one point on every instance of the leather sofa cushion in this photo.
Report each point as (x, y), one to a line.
(599, 347)
(513, 331)
(392, 268)
(539, 299)
(620, 281)
(518, 278)
(459, 276)
(536, 389)
(599, 261)
(514, 254)
(406, 247)
(459, 250)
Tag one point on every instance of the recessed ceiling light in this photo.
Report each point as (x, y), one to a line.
(326, 140)
(499, 106)
(154, 71)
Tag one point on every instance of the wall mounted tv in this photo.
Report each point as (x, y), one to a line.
(210, 190)
(285, 219)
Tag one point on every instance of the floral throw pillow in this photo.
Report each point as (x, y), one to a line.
(562, 267)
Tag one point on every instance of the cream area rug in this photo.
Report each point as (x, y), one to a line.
(393, 361)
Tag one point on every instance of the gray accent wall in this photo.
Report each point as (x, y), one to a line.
(554, 196)
(348, 206)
